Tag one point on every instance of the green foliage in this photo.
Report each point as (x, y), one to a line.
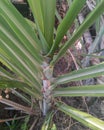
(91, 90)
(86, 119)
(28, 49)
(48, 124)
(13, 125)
(67, 22)
(82, 74)
(86, 24)
(24, 125)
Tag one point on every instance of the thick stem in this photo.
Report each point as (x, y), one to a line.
(47, 71)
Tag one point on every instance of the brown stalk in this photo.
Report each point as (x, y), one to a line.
(10, 119)
(17, 106)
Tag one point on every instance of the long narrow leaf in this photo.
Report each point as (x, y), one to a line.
(23, 97)
(5, 83)
(43, 41)
(25, 78)
(39, 20)
(85, 25)
(17, 69)
(45, 46)
(5, 73)
(48, 9)
(48, 124)
(12, 84)
(67, 22)
(91, 90)
(86, 119)
(20, 27)
(4, 63)
(20, 62)
(37, 12)
(7, 35)
(17, 106)
(19, 46)
(81, 74)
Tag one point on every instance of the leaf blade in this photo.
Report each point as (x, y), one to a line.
(81, 74)
(19, 45)
(39, 20)
(91, 91)
(19, 26)
(86, 24)
(67, 22)
(86, 119)
(48, 9)
(5, 83)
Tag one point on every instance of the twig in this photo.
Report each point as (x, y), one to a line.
(32, 126)
(10, 119)
(17, 106)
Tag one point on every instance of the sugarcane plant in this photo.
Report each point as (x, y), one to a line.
(30, 50)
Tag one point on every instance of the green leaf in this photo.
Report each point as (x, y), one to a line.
(5, 73)
(58, 16)
(32, 24)
(24, 97)
(43, 42)
(81, 74)
(38, 16)
(67, 22)
(48, 10)
(99, 9)
(86, 119)
(48, 124)
(35, 6)
(4, 63)
(17, 70)
(93, 55)
(20, 27)
(24, 125)
(19, 45)
(13, 55)
(44, 18)
(45, 46)
(91, 90)
(5, 83)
